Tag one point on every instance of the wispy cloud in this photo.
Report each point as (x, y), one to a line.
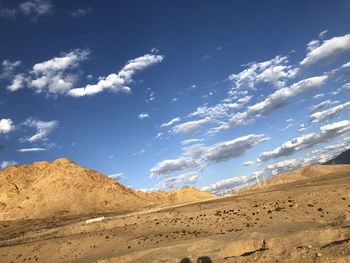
(7, 163)
(32, 9)
(81, 12)
(31, 150)
(43, 129)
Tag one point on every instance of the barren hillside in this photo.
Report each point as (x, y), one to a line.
(62, 188)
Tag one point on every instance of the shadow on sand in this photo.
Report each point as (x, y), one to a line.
(199, 260)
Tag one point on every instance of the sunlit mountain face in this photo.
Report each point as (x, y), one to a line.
(162, 94)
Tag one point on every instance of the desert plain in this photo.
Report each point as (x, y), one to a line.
(300, 216)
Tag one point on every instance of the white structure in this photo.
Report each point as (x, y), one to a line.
(93, 220)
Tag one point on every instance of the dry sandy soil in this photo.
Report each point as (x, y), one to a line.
(307, 220)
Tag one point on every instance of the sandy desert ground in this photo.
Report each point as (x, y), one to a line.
(303, 221)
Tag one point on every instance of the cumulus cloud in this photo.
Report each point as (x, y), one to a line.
(231, 149)
(225, 186)
(118, 82)
(43, 129)
(328, 133)
(7, 163)
(51, 75)
(6, 126)
(199, 155)
(31, 150)
(190, 126)
(329, 49)
(187, 178)
(221, 110)
(116, 177)
(326, 115)
(143, 116)
(169, 166)
(18, 82)
(171, 122)
(275, 72)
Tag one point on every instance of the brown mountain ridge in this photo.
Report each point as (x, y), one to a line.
(63, 188)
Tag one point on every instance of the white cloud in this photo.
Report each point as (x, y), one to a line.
(7, 163)
(171, 122)
(118, 82)
(6, 125)
(322, 34)
(190, 126)
(81, 12)
(18, 82)
(221, 110)
(143, 116)
(151, 97)
(346, 86)
(33, 9)
(275, 72)
(190, 141)
(188, 178)
(43, 129)
(312, 45)
(318, 96)
(273, 102)
(231, 149)
(31, 150)
(320, 106)
(51, 76)
(9, 68)
(248, 163)
(169, 166)
(302, 128)
(198, 155)
(328, 133)
(116, 177)
(326, 115)
(36, 8)
(329, 49)
(225, 186)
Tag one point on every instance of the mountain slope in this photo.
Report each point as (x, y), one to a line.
(308, 172)
(61, 188)
(343, 158)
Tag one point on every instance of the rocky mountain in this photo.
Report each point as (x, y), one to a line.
(343, 158)
(62, 188)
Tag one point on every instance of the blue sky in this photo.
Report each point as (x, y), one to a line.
(162, 94)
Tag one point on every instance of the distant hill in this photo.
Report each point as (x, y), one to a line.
(343, 158)
(307, 172)
(62, 188)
